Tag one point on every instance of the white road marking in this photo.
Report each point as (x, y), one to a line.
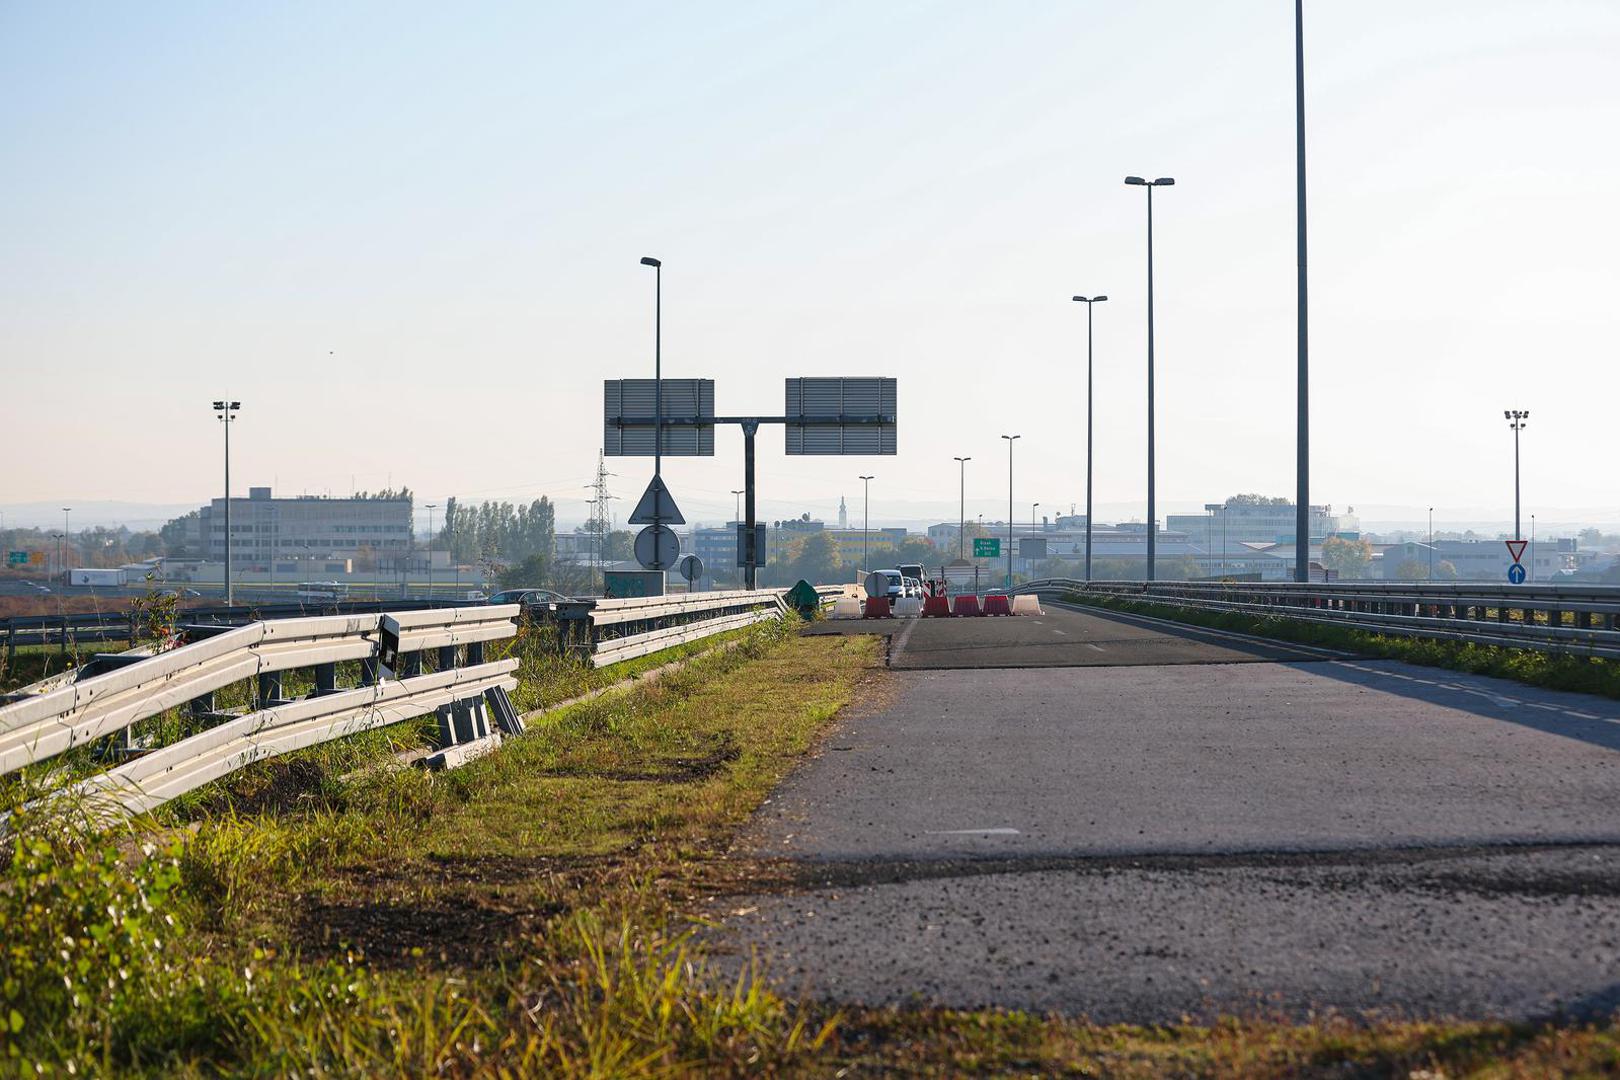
(971, 832)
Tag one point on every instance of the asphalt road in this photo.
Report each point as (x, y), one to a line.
(1145, 841)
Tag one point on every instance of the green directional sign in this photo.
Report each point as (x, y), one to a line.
(986, 548)
(16, 558)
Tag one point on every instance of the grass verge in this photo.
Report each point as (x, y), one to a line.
(1587, 675)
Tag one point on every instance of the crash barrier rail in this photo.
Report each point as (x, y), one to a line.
(96, 627)
(105, 697)
(1582, 620)
(614, 630)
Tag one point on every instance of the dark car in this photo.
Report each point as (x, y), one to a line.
(529, 598)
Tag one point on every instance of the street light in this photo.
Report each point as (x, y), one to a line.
(1088, 301)
(866, 517)
(1010, 440)
(1152, 520)
(738, 513)
(658, 381)
(61, 567)
(1302, 493)
(1209, 529)
(1516, 419)
(961, 511)
(227, 416)
(1034, 519)
(1431, 543)
(430, 508)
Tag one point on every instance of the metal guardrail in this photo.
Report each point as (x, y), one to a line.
(94, 627)
(612, 631)
(1582, 620)
(107, 696)
(93, 702)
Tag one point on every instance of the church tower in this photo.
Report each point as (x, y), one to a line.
(843, 514)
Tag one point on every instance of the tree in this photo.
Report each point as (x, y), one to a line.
(1349, 557)
(1251, 499)
(1446, 570)
(1412, 570)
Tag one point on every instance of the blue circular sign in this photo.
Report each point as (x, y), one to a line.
(1516, 574)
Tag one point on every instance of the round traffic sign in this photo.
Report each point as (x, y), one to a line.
(657, 547)
(1516, 574)
(690, 567)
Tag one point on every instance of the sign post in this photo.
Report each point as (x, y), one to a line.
(1515, 574)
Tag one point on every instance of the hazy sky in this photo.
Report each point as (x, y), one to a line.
(406, 237)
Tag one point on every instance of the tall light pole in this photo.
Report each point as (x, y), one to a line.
(658, 380)
(1209, 531)
(961, 507)
(1516, 419)
(430, 508)
(67, 534)
(1302, 494)
(738, 492)
(1431, 543)
(1010, 440)
(226, 411)
(1034, 519)
(1088, 301)
(866, 517)
(1152, 519)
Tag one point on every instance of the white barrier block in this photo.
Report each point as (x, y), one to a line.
(1026, 604)
(845, 607)
(908, 606)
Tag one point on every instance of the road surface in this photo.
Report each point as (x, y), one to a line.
(1173, 823)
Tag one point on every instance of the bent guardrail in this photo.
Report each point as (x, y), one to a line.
(1582, 620)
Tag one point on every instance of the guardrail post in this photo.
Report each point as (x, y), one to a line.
(270, 688)
(64, 635)
(325, 679)
(368, 671)
(202, 704)
(475, 653)
(447, 657)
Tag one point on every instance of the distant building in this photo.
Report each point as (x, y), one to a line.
(1476, 560)
(843, 514)
(1231, 536)
(308, 528)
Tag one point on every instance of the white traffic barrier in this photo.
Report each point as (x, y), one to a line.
(1026, 604)
(845, 607)
(908, 607)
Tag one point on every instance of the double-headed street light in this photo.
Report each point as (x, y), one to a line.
(227, 415)
(1088, 301)
(1516, 419)
(1152, 519)
(961, 512)
(1010, 440)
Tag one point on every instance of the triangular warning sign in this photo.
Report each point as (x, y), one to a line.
(657, 506)
(1516, 548)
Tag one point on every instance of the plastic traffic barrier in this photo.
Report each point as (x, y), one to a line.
(966, 604)
(996, 604)
(877, 607)
(908, 607)
(937, 606)
(1026, 604)
(845, 607)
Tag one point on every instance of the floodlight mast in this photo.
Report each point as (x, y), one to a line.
(658, 388)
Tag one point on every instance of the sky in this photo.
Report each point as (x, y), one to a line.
(406, 237)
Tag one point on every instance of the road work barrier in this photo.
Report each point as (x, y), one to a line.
(966, 605)
(877, 607)
(908, 607)
(846, 607)
(1580, 620)
(997, 604)
(937, 607)
(1026, 604)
